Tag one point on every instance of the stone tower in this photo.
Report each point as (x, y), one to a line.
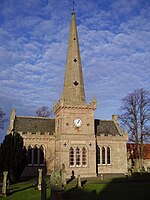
(74, 119)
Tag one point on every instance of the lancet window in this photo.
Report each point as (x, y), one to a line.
(103, 155)
(84, 156)
(35, 155)
(29, 155)
(108, 155)
(78, 156)
(71, 156)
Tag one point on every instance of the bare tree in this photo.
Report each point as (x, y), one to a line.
(2, 119)
(44, 111)
(136, 119)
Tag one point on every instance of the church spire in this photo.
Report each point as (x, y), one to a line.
(73, 93)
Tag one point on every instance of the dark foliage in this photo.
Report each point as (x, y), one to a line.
(13, 156)
(43, 111)
(2, 119)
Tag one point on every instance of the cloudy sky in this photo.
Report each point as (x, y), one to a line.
(114, 37)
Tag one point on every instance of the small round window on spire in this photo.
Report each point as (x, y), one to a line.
(75, 60)
(75, 83)
(74, 38)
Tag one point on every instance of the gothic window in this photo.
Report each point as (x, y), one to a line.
(84, 156)
(35, 155)
(98, 155)
(103, 156)
(41, 155)
(29, 155)
(71, 157)
(78, 157)
(108, 155)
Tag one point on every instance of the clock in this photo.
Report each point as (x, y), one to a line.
(77, 122)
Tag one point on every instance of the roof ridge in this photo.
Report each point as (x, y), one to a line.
(34, 117)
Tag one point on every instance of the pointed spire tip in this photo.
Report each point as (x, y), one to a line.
(73, 10)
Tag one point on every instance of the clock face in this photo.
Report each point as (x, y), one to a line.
(77, 122)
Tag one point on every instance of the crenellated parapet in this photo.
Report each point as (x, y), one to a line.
(35, 134)
(114, 138)
(61, 104)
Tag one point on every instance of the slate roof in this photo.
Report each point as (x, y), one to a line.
(106, 127)
(34, 124)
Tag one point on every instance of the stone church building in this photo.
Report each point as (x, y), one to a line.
(73, 139)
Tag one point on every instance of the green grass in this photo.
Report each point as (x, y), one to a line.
(25, 190)
(93, 189)
(110, 191)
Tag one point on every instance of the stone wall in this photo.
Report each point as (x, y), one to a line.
(118, 163)
(48, 142)
(68, 135)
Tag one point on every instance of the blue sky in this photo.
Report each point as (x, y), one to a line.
(114, 37)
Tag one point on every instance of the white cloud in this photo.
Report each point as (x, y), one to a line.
(114, 38)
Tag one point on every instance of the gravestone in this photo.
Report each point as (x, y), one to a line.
(56, 185)
(63, 176)
(129, 174)
(4, 188)
(40, 179)
(79, 181)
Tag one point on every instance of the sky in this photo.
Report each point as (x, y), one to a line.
(114, 39)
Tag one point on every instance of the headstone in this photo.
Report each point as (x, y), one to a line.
(4, 188)
(129, 174)
(40, 179)
(79, 181)
(102, 177)
(56, 185)
(63, 176)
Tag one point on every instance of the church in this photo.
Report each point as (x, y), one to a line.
(73, 138)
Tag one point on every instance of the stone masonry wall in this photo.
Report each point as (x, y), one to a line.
(117, 145)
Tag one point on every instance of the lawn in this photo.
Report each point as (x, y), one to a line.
(115, 189)
(24, 190)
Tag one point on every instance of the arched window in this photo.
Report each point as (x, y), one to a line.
(98, 155)
(78, 157)
(41, 155)
(108, 155)
(71, 157)
(84, 156)
(103, 156)
(35, 155)
(29, 155)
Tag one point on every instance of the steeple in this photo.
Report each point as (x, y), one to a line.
(73, 93)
